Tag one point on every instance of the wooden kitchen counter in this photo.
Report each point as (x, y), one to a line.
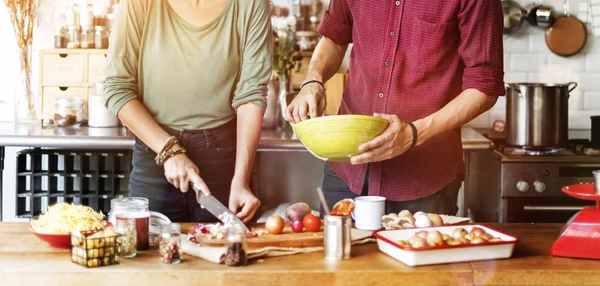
(25, 260)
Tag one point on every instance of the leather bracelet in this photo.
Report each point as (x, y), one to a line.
(414, 132)
(312, 81)
(172, 141)
(165, 157)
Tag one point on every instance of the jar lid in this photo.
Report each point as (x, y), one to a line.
(69, 102)
(99, 28)
(130, 203)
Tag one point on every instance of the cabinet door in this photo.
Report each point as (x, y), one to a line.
(96, 63)
(50, 93)
(62, 69)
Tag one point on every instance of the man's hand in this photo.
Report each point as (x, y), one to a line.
(309, 103)
(394, 141)
(242, 197)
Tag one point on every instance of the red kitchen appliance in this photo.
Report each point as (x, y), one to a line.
(580, 237)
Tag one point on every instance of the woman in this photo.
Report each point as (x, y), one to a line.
(182, 75)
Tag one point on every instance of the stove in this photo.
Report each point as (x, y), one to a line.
(516, 184)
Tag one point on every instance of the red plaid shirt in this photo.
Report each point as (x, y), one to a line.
(411, 58)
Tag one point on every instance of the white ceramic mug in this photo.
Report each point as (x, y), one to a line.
(368, 211)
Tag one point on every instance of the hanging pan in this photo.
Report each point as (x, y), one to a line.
(567, 36)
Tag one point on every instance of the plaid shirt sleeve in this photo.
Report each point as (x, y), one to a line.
(337, 23)
(481, 46)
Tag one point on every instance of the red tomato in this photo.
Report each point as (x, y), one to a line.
(311, 223)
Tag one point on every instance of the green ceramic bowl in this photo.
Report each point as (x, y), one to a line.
(337, 138)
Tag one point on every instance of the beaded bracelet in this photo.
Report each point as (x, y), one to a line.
(171, 141)
(168, 155)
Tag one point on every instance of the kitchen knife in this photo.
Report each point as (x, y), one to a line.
(216, 208)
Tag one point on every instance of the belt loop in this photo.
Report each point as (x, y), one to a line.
(209, 141)
(183, 136)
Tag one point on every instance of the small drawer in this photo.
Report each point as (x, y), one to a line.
(96, 64)
(58, 69)
(53, 92)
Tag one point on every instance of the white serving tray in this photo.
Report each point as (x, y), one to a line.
(386, 240)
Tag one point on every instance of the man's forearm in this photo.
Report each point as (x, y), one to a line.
(249, 125)
(461, 110)
(326, 60)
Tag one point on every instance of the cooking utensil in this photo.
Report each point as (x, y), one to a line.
(538, 114)
(541, 16)
(323, 201)
(567, 36)
(577, 238)
(217, 209)
(514, 16)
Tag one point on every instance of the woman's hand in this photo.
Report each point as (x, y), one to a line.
(242, 197)
(180, 171)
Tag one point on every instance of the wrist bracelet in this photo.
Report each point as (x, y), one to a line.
(414, 132)
(312, 81)
(172, 141)
(163, 158)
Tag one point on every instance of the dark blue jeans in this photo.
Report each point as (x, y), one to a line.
(442, 202)
(213, 151)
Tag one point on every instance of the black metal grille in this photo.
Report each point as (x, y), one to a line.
(88, 177)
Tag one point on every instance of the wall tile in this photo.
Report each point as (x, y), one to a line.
(581, 119)
(500, 104)
(574, 63)
(516, 43)
(527, 61)
(591, 100)
(537, 43)
(592, 62)
(515, 77)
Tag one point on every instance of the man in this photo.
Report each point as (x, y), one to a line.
(427, 67)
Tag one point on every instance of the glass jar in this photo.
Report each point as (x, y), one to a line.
(101, 37)
(169, 250)
(100, 15)
(86, 16)
(68, 111)
(72, 15)
(98, 114)
(60, 37)
(74, 37)
(237, 246)
(128, 240)
(137, 208)
(87, 38)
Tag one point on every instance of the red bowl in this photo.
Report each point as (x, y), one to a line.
(62, 241)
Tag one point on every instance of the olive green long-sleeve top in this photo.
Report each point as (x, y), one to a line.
(189, 77)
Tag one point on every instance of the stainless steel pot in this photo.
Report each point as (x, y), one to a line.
(541, 16)
(537, 114)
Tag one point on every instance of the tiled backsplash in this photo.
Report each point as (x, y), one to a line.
(528, 59)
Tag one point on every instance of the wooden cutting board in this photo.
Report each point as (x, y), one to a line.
(287, 238)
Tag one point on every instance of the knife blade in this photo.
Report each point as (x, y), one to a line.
(216, 208)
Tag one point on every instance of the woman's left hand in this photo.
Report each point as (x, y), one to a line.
(394, 141)
(242, 197)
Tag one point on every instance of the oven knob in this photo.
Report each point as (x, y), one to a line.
(522, 186)
(539, 187)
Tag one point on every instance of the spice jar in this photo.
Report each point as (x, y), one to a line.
(98, 114)
(169, 249)
(100, 15)
(236, 244)
(60, 37)
(74, 34)
(101, 37)
(87, 38)
(126, 228)
(68, 111)
(72, 15)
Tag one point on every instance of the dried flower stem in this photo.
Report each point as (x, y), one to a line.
(24, 17)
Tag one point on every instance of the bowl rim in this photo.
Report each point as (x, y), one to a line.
(322, 118)
(32, 230)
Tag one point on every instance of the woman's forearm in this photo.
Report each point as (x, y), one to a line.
(249, 126)
(140, 122)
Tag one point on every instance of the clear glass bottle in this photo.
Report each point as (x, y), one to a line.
(74, 37)
(60, 37)
(128, 239)
(87, 38)
(169, 249)
(237, 246)
(72, 15)
(101, 37)
(86, 16)
(68, 111)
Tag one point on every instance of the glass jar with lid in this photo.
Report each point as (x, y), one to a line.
(169, 250)
(74, 37)
(127, 205)
(60, 37)
(68, 111)
(101, 37)
(87, 38)
(236, 244)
